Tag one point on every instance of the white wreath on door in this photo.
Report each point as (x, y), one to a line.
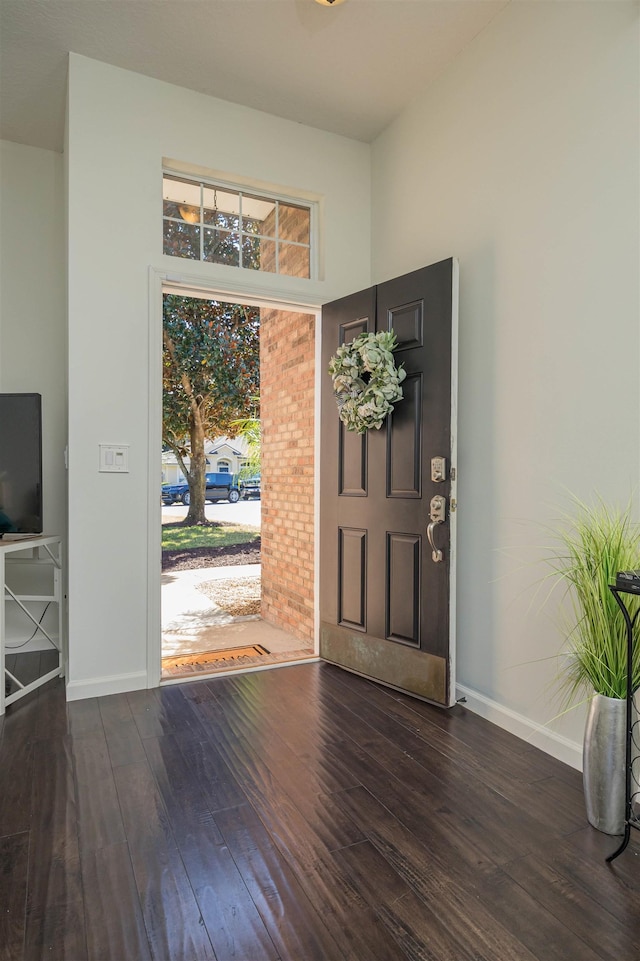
(366, 381)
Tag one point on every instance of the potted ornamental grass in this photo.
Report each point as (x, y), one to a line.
(591, 547)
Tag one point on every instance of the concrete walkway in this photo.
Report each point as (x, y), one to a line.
(193, 623)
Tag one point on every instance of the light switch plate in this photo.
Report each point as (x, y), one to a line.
(114, 458)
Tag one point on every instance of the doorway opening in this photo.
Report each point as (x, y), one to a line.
(249, 604)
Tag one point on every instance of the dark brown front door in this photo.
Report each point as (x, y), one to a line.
(387, 505)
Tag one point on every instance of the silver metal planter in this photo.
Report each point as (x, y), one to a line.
(603, 763)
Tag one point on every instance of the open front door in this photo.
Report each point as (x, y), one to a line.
(387, 508)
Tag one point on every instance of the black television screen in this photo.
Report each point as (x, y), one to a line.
(20, 464)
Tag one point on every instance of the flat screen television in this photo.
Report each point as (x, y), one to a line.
(20, 464)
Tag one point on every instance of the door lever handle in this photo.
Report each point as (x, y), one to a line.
(437, 516)
(436, 553)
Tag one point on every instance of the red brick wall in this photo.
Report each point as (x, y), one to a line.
(294, 225)
(287, 420)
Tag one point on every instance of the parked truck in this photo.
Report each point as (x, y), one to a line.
(219, 487)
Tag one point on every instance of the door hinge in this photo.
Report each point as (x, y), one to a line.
(453, 504)
(453, 473)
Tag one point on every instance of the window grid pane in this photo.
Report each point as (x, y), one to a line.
(293, 260)
(221, 247)
(222, 225)
(294, 224)
(181, 240)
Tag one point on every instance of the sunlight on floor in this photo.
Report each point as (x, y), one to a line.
(195, 621)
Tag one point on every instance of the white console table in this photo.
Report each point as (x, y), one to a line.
(31, 615)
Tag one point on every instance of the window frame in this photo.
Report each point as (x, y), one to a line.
(249, 192)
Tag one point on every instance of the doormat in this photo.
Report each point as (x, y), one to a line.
(211, 660)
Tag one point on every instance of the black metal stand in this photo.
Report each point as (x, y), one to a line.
(630, 820)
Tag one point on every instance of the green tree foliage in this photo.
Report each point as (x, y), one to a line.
(217, 239)
(210, 380)
(249, 429)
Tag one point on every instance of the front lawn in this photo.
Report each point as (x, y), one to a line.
(175, 537)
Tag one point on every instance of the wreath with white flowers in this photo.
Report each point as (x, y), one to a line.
(366, 381)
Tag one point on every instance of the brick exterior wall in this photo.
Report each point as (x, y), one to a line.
(294, 225)
(287, 420)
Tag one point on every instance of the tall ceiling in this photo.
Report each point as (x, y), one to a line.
(349, 69)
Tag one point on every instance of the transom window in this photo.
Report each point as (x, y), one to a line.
(221, 225)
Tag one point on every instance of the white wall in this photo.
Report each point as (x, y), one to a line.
(33, 348)
(120, 127)
(523, 162)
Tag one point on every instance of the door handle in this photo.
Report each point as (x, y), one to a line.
(437, 515)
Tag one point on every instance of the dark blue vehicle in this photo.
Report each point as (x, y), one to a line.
(220, 487)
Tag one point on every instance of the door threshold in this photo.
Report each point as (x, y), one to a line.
(240, 669)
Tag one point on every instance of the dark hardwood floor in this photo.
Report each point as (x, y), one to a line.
(301, 814)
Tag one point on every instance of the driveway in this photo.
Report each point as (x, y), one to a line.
(244, 512)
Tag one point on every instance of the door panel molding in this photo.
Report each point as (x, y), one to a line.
(407, 322)
(404, 442)
(352, 463)
(352, 454)
(350, 331)
(352, 578)
(403, 588)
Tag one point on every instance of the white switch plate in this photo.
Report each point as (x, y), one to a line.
(114, 458)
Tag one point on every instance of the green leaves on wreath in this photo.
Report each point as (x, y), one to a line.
(366, 381)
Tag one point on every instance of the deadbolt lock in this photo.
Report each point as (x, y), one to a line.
(438, 469)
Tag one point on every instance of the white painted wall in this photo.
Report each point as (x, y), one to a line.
(523, 162)
(120, 127)
(33, 345)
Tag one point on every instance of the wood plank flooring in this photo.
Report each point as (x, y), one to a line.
(297, 814)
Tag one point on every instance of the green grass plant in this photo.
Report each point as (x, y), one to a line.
(591, 548)
(175, 537)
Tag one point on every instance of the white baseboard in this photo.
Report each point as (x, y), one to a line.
(523, 727)
(99, 686)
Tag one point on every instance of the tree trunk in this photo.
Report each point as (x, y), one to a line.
(197, 470)
(198, 467)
